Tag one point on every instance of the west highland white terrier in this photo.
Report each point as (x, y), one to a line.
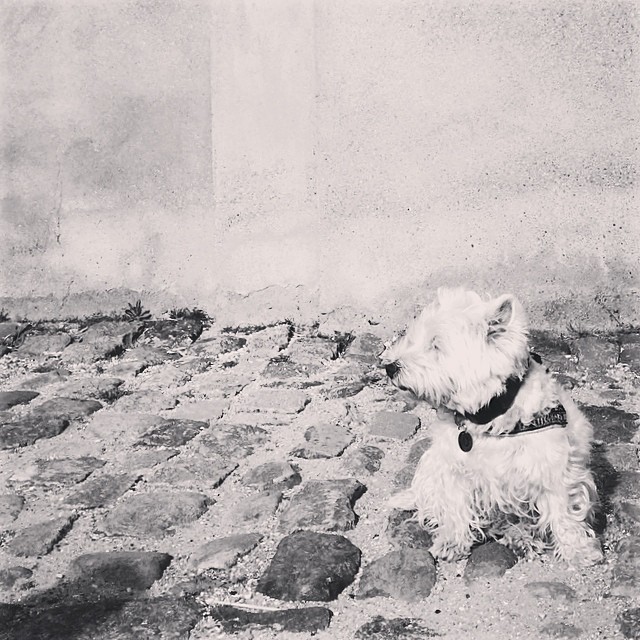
(509, 451)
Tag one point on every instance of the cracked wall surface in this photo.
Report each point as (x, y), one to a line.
(367, 152)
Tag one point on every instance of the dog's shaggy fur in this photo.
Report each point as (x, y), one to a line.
(530, 490)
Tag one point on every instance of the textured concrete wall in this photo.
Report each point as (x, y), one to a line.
(365, 149)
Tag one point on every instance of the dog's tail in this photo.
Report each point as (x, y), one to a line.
(405, 500)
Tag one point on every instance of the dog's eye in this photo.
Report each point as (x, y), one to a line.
(435, 345)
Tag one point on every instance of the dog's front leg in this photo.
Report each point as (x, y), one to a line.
(443, 499)
(572, 538)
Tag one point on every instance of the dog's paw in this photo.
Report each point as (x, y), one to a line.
(585, 555)
(590, 554)
(443, 549)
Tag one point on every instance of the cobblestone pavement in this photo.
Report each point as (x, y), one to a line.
(161, 481)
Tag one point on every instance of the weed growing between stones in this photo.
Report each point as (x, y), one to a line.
(343, 340)
(136, 312)
(192, 314)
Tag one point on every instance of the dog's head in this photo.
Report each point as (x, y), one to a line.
(460, 350)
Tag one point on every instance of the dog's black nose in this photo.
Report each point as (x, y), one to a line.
(392, 368)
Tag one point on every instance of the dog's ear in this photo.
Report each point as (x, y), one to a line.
(500, 315)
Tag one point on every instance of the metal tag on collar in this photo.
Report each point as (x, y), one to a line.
(465, 441)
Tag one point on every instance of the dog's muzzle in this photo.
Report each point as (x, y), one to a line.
(392, 369)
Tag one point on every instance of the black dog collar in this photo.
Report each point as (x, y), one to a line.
(499, 405)
(556, 417)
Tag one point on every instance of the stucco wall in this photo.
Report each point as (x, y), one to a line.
(368, 150)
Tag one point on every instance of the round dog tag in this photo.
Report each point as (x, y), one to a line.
(465, 441)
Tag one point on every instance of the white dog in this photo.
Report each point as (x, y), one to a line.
(510, 450)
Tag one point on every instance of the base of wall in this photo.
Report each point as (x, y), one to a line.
(552, 309)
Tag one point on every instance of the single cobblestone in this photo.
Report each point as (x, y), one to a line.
(404, 531)
(324, 441)
(417, 450)
(622, 457)
(101, 388)
(288, 401)
(303, 620)
(611, 425)
(405, 574)
(630, 351)
(152, 619)
(217, 345)
(364, 459)
(346, 389)
(14, 575)
(208, 411)
(194, 470)
(232, 440)
(10, 399)
(268, 341)
(154, 514)
(58, 471)
(10, 506)
(595, 352)
(141, 357)
(555, 591)
(66, 409)
(489, 560)
(102, 490)
(380, 628)
(145, 402)
(366, 347)
(43, 344)
(26, 431)
(169, 376)
(172, 433)
(561, 630)
(628, 515)
(310, 566)
(39, 539)
(258, 507)
(103, 340)
(273, 475)
(311, 350)
(145, 459)
(323, 504)
(625, 576)
(404, 476)
(106, 425)
(119, 570)
(45, 379)
(223, 553)
(285, 369)
(549, 345)
(388, 424)
(627, 486)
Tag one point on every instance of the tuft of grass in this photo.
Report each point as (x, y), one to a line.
(191, 314)
(343, 340)
(4, 316)
(137, 312)
(291, 328)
